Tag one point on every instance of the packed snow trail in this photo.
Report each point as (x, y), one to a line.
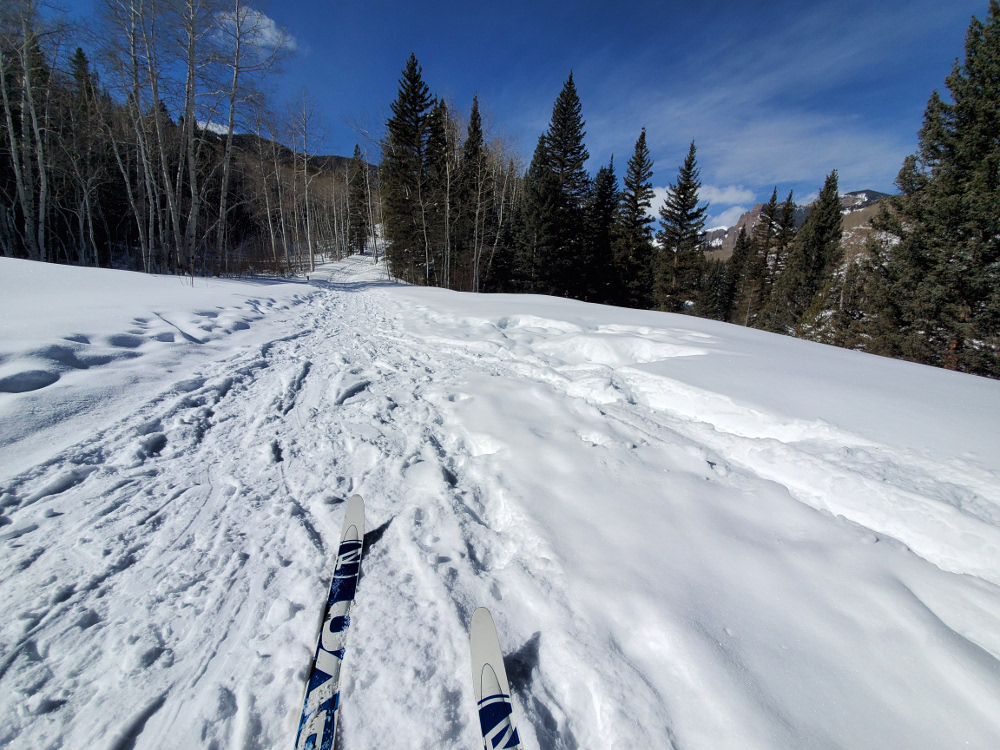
(677, 562)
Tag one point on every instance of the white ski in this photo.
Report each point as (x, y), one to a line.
(321, 706)
(489, 681)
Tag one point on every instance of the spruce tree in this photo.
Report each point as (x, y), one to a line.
(633, 244)
(752, 285)
(404, 178)
(602, 283)
(936, 298)
(557, 190)
(682, 260)
(738, 270)
(716, 290)
(805, 284)
(357, 203)
(476, 195)
(437, 193)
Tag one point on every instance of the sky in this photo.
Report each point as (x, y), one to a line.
(774, 94)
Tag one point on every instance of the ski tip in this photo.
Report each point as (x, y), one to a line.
(354, 517)
(480, 618)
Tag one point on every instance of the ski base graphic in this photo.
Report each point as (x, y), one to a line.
(321, 705)
(489, 682)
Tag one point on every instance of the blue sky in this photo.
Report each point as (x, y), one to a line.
(773, 93)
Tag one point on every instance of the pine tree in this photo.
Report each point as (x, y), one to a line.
(784, 232)
(716, 290)
(682, 260)
(633, 243)
(357, 203)
(476, 195)
(936, 299)
(752, 285)
(602, 282)
(806, 282)
(738, 270)
(437, 192)
(557, 189)
(404, 178)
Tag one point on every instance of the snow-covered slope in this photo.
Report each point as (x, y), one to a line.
(690, 534)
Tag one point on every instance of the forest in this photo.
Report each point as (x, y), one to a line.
(159, 151)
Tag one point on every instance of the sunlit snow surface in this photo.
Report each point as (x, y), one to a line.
(690, 534)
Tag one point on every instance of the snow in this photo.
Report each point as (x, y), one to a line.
(690, 534)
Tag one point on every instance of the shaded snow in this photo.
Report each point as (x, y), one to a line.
(690, 534)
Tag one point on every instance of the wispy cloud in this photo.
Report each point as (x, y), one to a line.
(761, 110)
(727, 218)
(727, 195)
(259, 31)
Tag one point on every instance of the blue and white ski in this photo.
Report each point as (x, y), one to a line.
(489, 681)
(321, 706)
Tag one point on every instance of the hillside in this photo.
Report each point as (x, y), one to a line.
(859, 207)
(249, 142)
(690, 534)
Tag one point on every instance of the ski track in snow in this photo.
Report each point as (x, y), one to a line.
(163, 579)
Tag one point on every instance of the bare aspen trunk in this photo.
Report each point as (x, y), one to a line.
(25, 193)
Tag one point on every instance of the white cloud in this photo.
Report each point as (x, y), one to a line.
(727, 218)
(726, 196)
(215, 127)
(260, 30)
(743, 107)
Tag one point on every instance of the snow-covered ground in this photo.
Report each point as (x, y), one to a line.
(690, 534)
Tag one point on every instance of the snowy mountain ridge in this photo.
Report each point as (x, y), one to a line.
(690, 534)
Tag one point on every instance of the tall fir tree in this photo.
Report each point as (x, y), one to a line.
(557, 189)
(752, 285)
(633, 241)
(602, 284)
(935, 298)
(476, 191)
(738, 270)
(437, 192)
(681, 258)
(404, 178)
(805, 283)
(357, 203)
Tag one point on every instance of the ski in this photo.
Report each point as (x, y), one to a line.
(321, 703)
(489, 681)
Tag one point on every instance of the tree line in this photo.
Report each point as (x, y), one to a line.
(459, 214)
(173, 161)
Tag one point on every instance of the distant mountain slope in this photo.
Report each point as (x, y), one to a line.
(329, 162)
(859, 205)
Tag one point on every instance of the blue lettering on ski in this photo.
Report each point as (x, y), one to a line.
(317, 727)
(494, 721)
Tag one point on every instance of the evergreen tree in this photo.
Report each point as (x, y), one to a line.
(602, 282)
(716, 291)
(557, 189)
(85, 82)
(476, 195)
(633, 244)
(784, 232)
(752, 285)
(682, 259)
(740, 276)
(357, 203)
(806, 282)
(437, 193)
(404, 178)
(936, 299)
